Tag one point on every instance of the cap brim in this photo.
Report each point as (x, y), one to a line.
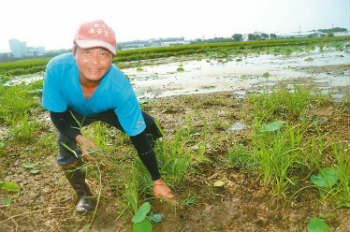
(96, 43)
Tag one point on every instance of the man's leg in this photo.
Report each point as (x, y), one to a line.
(71, 164)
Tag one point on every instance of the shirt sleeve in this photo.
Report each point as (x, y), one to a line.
(52, 98)
(130, 115)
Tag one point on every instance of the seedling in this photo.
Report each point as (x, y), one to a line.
(326, 178)
(30, 166)
(180, 68)
(141, 223)
(317, 225)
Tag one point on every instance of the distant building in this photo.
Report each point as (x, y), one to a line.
(303, 34)
(39, 51)
(151, 43)
(173, 43)
(19, 49)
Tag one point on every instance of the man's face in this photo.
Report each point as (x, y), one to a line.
(93, 63)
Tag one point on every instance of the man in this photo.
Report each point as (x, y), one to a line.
(82, 87)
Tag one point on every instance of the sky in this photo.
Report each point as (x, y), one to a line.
(53, 24)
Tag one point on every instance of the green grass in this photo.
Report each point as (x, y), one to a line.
(287, 155)
(16, 103)
(278, 154)
(282, 104)
(22, 130)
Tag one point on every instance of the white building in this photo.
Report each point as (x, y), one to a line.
(18, 48)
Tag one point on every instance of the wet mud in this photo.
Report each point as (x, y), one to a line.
(46, 201)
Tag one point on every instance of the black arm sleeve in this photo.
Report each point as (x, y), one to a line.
(64, 124)
(146, 154)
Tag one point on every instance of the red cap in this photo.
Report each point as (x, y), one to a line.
(96, 34)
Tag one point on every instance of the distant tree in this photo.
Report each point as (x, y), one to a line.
(330, 34)
(264, 36)
(237, 37)
(254, 37)
(313, 35)
(251, 36)
(273, 36)
(334, 29)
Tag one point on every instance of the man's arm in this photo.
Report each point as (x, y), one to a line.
(148, 158)
(146, 154)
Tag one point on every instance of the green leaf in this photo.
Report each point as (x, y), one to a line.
(219, 183)
(273, 126)
(10, 186)
(143, 226)
(326, 178)
(327, 215)
(157, 218)
(317, 225)
(29, 165)
(34, 171)
(141, 213)
(180, 68)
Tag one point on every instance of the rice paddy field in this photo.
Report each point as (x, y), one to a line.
(255, 138)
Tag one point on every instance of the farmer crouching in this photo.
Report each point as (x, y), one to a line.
(83, 87)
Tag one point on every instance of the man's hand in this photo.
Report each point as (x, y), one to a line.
(86, 144)
(161, 190)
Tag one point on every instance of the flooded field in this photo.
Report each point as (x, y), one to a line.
(241, 74)
(254, 142)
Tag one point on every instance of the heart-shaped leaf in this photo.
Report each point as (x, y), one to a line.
(34, 171)
(141, 213)
(326, 178)
(29, 165)
(317, 225)
(144, 226)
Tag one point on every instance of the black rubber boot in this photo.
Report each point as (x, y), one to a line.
(76, 177)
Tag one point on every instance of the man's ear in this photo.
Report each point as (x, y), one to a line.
(74, 50)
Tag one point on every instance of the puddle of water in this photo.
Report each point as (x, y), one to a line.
(26, 79)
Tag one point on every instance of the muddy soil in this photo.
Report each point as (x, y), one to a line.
(46, 201)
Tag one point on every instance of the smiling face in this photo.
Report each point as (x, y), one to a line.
(93, 63)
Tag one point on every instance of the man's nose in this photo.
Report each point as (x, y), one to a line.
(96, 59)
